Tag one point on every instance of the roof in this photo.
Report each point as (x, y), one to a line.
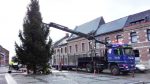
(89, 27)
(62, 41)
(145, 15)
(112, 26)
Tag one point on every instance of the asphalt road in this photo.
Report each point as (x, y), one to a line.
(2, 75)
(2, 79)
(73, 77)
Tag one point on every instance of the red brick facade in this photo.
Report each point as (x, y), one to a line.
(143, 45)
(4, 56)
(133, 25)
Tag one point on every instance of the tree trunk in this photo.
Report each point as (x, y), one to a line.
(34, 69)
(27, 69)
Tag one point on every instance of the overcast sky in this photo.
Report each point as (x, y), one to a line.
(69, 13)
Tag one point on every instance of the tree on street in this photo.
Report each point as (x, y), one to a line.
(35, 49)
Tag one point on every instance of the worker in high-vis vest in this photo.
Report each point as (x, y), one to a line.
(13, 65)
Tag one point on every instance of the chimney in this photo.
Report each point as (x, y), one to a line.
(67, 35)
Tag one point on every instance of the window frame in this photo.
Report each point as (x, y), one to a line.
(148, 34)
(61, 50)
(83, 46)
(76, 47)
(65, 49)
(119, 37)
(107, 39)
(118, 52)
(133, 35)
(70, 49)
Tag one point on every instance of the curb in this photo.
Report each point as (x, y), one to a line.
(10, 79)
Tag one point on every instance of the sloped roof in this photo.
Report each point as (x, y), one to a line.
(89, 27)
(138, 16)
(61, 41)
(112, 26)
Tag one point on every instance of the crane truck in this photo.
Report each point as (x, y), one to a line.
(118, 58)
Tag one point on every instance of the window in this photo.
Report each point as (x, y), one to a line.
(89, 45)
(54, 51)
(83, 46)
(61, 50)
(133, 37)
(65, 49)
(119, 38)
(76, 47)
(128, 51)
(97, 46)
(70, 48)
(138, 21)
(148, 34)
(136, 53)
(107, 39)
(57, 50)
(117, 52)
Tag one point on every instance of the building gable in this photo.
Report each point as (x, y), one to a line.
(89, 27)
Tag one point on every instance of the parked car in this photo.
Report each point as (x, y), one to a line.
(140, 67)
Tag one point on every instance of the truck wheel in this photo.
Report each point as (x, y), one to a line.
(56, 67)
(9, 71)
(125, 72)
(89, 68)
(100, 70)
(115, 70)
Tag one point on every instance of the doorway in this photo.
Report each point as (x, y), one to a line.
(137, 56)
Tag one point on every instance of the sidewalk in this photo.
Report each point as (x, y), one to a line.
(3, 69)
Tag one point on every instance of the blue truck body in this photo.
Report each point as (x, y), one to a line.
(119, 58)
(122, 56)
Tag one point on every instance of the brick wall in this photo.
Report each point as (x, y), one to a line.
(4, 60)
(143, 45)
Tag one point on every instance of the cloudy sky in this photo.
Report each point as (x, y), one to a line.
(69, 13)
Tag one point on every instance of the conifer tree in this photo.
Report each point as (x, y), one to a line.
(35, 49)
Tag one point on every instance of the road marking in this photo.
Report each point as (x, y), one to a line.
(10, 79)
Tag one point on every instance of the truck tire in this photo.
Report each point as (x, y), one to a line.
(89, 68)
(56, 67)
(125, 72)
(100, 70)
(9, 71)
(115, 70)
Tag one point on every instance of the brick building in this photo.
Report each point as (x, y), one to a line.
(4, 56)
(74, 45)
(133, 29)
(60, 51)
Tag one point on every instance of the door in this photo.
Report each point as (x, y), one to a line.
(137, 56)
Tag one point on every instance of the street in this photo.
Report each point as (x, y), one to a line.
(3, 71)
(74, 77)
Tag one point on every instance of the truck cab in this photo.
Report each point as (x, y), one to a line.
(120, 58)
